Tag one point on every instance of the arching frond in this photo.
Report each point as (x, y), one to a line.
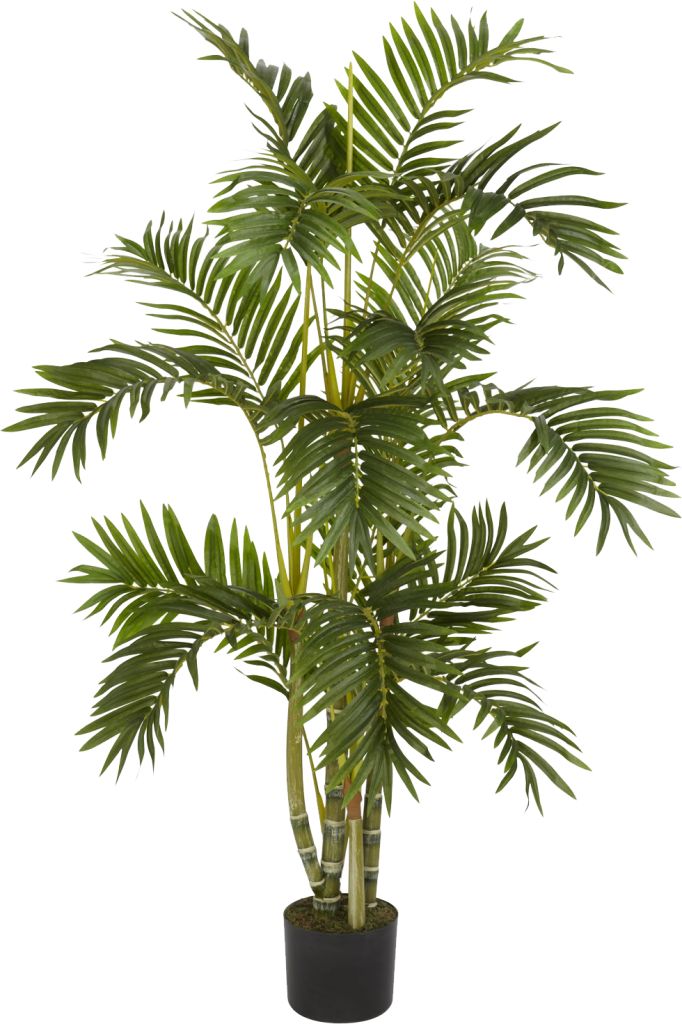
(507, 700)
(260, 330)
(371, 466)
(164, 605)
(600, 456)
(481, 579)
(385, 349)
(274, 211)
(93, 392)
(418, 248)
(571, 236)
(401, 127)
(285, 97)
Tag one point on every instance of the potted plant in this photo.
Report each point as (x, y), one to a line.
(353, 372)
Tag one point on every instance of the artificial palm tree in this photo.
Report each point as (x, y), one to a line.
(353, 372)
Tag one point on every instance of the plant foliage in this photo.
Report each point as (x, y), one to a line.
(353, 369)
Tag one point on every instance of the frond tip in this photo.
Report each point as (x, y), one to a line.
(164, 606)
(285, 97)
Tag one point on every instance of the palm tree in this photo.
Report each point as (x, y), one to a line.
(336, 300)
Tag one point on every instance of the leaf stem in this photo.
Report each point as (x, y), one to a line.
(347, 376)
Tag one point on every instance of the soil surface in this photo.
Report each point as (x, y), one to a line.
(302, 915)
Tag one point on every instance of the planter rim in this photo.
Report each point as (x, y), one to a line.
(351, 934)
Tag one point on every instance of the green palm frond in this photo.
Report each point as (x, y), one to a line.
(371, 466)
(92, 393)
(176, 259)
(287, 98)
(164, 605)
(573, 237)
(322, 150)
(344, 653)
(426, 235)
(482, 578)
(507, 700)
(600, 455)
(258, 329)
(385, 349)
(274, 211)
(402, 129)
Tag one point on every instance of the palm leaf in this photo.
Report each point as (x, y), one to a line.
(400, 126)
(92, 393)
(507, 701)
(385, 349)
(258, 329)
(273, 211)
(571, 236)
(599, 456)
(164, 606)
(285, 97)
(371, 466)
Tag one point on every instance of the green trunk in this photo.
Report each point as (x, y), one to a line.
(297, 809)
(356, 885)
(333, 848)
(371, 836)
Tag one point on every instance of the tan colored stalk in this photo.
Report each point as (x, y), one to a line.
(371, 838)
(356, 864)
(347, 377)
(295, 790)
(333, 843)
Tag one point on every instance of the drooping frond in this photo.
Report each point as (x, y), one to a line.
(92, 393)
(507, 700)
(260, 330)
(344, 652)
(164, 605)
(401, 127)
(285, 97)
(371, 466)
(384, 348)
(571, 236)
(274, 211)
(599, 456)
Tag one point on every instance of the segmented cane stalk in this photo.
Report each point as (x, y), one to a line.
(333, 844)
(371, 841)
(297, 809)
(333, 851)
(356, 862)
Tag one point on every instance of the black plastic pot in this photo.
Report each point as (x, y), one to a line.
(340, 977)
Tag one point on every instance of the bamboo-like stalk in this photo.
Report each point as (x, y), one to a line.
(356, 865)
(295, 791)
(371, 840)
(333, 844)
(371, 819)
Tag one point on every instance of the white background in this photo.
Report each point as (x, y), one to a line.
(160, 898)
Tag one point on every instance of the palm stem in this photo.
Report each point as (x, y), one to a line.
(356, 865)
(281, 564)
(333, 840)
(371, 837)
(318, 795)
(295, 790)
(293, 530)
(347, 377)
